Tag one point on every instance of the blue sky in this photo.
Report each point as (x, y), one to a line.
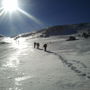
(47, 12)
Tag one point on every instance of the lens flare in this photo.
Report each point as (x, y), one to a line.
(10, 5)
(29, 16)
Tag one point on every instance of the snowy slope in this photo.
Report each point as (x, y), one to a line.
(58, 30)
(65, 65)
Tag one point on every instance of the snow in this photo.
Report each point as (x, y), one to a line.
(65, 65)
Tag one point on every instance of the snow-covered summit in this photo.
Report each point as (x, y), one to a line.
(58, 30)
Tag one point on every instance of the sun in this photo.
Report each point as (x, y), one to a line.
(13, 6)
(10, 5)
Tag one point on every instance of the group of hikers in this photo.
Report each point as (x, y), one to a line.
(37, 45)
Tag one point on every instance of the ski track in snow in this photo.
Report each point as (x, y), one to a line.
(72, 66)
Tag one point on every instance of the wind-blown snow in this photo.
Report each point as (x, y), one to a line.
(65, 65)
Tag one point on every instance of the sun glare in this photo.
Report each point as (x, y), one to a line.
(10, 5)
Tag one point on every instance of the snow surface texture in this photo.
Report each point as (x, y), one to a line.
(65, 65)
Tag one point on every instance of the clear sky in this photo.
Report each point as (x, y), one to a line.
(37, 14)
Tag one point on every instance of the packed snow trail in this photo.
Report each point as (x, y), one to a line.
(24, 68)
(71, 65)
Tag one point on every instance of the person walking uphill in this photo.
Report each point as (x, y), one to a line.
(35, 44)
(45, 47)
(38, 45)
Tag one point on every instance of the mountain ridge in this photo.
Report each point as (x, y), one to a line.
(58, 30)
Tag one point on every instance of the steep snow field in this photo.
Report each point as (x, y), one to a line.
(65, 65)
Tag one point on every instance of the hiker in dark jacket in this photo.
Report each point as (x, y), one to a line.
(35, 44)
(45, 47)
(38, 45)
